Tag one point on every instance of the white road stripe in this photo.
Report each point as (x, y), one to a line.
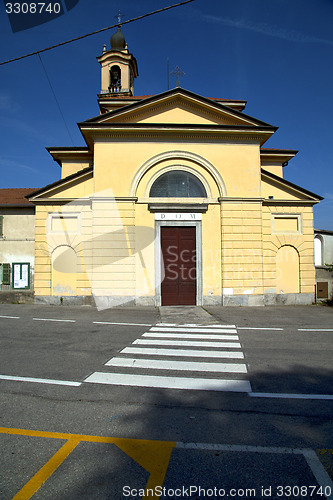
(195, 325)
(40, 380)
(157, 351)
(120, 324)
(158, 364)
(10, 317)
(317, 468)
(189, 343)
(191, 336)
(163, 382)
(315, 329)
(258, 328)
(327, 397)
(58, 320)
(186, 329)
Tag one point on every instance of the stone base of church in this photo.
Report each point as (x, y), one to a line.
(55, 300)
(268, 299)
(107, 302)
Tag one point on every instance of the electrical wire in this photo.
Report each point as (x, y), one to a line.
(55, 97)
(96, 32)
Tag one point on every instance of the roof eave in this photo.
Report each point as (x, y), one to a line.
(32, 196)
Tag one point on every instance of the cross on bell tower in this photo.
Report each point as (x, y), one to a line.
(119, 16)
(178, 73)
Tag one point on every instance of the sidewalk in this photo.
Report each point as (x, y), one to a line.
(181, 315)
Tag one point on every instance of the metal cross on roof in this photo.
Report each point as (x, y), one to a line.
(178, 73)
(119, 16)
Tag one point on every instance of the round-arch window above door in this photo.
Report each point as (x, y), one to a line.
(177, 184)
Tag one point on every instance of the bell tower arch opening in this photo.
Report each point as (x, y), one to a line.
(118, 68)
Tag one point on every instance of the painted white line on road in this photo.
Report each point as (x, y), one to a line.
(315, 329)
(10, 317)
(186, 329)
(40, 380)
(327, 397)
(317, 468)
(258, 328)
(191, 336)
(319, 472)
(240, 448)
(163, 382)
(120, 324)
(182, 352)
(57, 320)
(158, 364)
(194, 325)
(188, 343)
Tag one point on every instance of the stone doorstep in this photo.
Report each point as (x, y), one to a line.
(186, 315)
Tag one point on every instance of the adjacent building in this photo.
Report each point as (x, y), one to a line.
(323, 252)
(174, 200)
(17, 240)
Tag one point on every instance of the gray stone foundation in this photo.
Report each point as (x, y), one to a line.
(107, 302)
(269, 299)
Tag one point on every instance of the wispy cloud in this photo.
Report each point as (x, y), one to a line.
(14, 165)
(7, 104)
(268, 29)
(22, 126)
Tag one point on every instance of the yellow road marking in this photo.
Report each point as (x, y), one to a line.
(45, 472)
(153, 456)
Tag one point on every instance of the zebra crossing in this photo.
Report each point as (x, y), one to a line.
(188, 357)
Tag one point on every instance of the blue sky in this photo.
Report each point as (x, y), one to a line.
(276, 54)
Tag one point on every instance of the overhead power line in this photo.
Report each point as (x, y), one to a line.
(96, 32)
(55, 98)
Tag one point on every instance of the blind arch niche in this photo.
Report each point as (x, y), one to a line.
(177, 184)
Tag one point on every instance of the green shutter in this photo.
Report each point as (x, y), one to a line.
(6, 274)
(1, 226)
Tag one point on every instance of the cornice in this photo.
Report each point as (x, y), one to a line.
(240, 199)
(280, 202)
(120, 132)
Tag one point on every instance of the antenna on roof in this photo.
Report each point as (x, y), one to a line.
(168, 73)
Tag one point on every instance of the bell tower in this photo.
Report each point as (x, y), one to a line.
(118, 68)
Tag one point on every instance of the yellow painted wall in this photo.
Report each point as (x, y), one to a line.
(71, 167)
(238, 164)
(287, 270)
(241, 248)
(301, 240)
(64, 271)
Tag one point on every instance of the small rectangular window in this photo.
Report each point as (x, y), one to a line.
(286, 223)
(64, 223)
(1, 226)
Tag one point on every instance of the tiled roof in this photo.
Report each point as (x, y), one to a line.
(15, 197)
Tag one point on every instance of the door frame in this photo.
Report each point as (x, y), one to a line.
(158, 256)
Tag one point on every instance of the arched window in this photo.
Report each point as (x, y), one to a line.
(177, 184)
(318, 251)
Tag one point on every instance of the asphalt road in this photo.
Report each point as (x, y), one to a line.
(59, 431)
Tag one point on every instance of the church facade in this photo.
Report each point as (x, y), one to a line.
(173, 201)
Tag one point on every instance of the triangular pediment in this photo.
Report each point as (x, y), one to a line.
(178, 106)
(275, 188)
(76, 186)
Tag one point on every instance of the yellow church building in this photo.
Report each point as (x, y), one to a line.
(173, 201)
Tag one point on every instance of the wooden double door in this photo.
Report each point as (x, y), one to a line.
(179, 266)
